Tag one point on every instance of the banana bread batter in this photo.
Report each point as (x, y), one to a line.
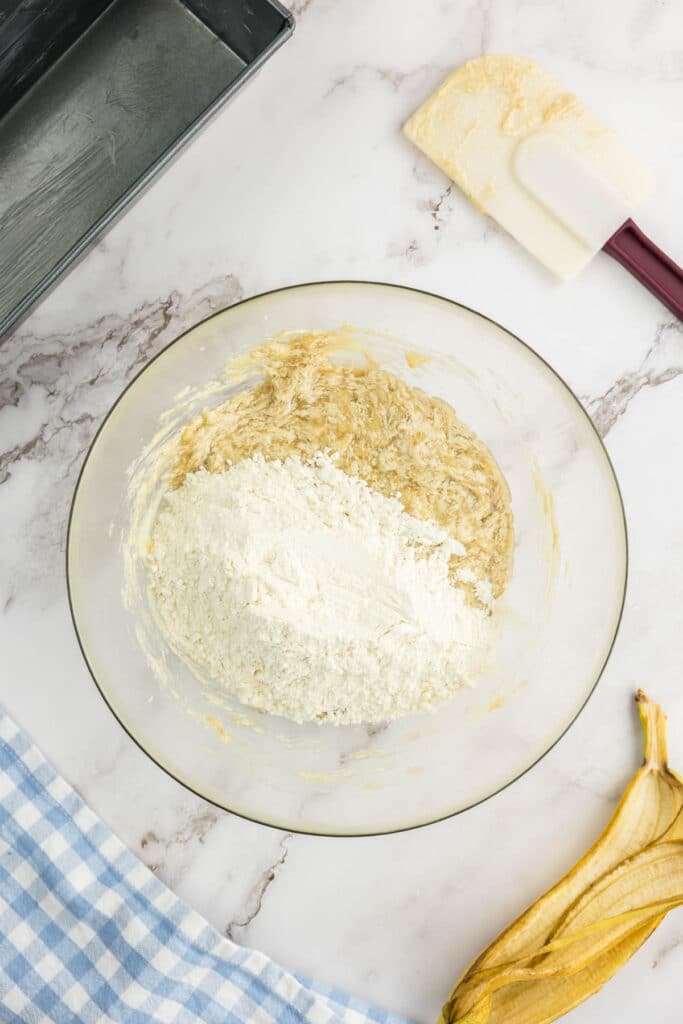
(401, 441)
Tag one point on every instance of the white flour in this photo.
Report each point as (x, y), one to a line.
(311, 596)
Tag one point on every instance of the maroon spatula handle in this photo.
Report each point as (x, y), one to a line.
(650, 265)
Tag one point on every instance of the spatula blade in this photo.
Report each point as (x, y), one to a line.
(530, 155)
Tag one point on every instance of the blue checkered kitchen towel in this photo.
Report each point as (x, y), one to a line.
(88, 933)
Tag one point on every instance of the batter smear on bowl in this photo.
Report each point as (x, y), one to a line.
(332, 542)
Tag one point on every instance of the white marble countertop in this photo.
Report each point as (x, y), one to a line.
(322, 185)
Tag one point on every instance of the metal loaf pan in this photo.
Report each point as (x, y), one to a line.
(95, 97)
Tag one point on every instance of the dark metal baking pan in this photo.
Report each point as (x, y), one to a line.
(95, 97)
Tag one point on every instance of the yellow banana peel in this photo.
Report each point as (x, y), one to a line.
(575, 937)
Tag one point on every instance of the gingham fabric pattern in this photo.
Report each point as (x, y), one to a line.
(88, 933)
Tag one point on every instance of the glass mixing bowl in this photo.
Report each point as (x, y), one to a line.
(558, 617)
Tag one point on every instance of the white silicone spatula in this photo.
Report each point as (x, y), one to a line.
(535, 159)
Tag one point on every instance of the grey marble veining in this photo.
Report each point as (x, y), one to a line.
(56, 390)
(663, 362)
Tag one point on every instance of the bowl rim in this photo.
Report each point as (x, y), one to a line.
(371, 284)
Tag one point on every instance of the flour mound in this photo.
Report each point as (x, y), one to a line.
(309, 595)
